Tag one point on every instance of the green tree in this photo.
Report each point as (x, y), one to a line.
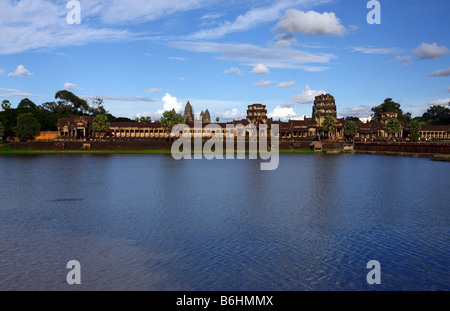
(26, 104)
(170, 118)
(350, 118)
(27, 127)
(217, 119)
(387, 106)
(414, 129)
(80, 106)
(6, 104)
(350, 129)
(97, 107)
(436, 115)
(329, 125)
(143, 119)
(393, 126)
(101, 124)
(2, 131)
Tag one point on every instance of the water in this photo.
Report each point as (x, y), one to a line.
(148, 222)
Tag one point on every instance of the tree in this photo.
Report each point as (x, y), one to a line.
(170, 118)
(26, 104)
(217, 119)
(27, 127)
(350, 118)
(6, 104)
(79, 105)
(436, 115)
(143, 119)
(2, 131)
(393, 126)
(414, 129)
(328, 124)
(350, 129)
(387, 106)
(97, 107)
(101, 124)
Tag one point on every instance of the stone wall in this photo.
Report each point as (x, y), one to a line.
(404, 147)
(47, 135)
(141, 144)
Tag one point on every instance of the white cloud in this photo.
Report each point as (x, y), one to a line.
(260, 69)
(263, 83)
(314, 68)
(230, 115)
(235, 70)
(1, 71)
(440, 73)
(121, 98)
(13, 93)
(34, 24)
(252, 55)
(140, 11)
(154, 90)
(284, 40)
(440, 102)
(285, 113)
(211, 16)
(307, 96)
(251, 19)
(21, 71)
(181, 78)
(286, 84)
(170, 102)
(311, 23)
(430, 51)
(405, 58)
(70, 86)
(177, 58)
(371, 50)
(362, 112)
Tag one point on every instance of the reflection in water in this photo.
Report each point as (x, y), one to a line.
(148, 222)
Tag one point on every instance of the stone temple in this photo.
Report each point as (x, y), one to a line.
(308, 129)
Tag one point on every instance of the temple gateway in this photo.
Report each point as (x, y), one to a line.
(308, 129)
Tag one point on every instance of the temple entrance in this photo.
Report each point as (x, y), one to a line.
(80, 133)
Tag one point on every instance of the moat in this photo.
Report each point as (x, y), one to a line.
(149, 222)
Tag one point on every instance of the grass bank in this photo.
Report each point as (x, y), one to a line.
(5, 149)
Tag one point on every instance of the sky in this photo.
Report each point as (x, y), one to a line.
(143, 57)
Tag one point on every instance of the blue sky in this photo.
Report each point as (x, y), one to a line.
(145, 56)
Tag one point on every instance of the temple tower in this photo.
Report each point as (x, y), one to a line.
(324, 105)
(257, 114)
(188, 113)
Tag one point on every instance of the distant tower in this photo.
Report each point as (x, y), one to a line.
(324, 105)
(206, 117)
(257, 114)
(188, 113)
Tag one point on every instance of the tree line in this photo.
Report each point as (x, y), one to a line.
(435, 115)
(28, 119)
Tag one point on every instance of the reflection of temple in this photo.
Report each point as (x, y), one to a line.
(81, 127)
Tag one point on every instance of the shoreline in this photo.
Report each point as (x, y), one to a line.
(5, 150)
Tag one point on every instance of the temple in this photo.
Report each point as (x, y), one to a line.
(308, 129)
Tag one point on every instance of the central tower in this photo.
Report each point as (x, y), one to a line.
(324, 105)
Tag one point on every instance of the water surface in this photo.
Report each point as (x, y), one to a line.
(148, 222)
